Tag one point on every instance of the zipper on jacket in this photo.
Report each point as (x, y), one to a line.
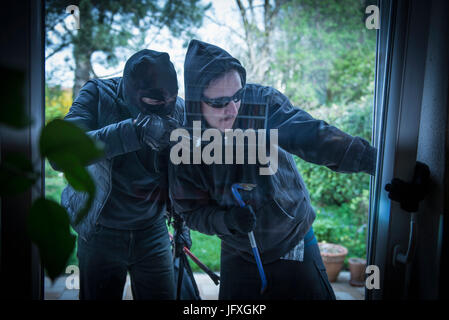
(109, 191)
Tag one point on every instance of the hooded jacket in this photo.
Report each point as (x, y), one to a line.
(101, 111)
(202, 194)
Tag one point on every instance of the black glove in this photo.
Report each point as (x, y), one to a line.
(154, 131)
(242, 220)
(184, 238)
(181, 240)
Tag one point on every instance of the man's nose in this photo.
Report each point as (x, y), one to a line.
(231, 108)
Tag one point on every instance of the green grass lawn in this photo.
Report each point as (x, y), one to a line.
(207, 249)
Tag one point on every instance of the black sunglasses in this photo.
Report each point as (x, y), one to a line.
(223, 101)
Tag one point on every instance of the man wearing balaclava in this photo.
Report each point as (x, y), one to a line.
(125, 230)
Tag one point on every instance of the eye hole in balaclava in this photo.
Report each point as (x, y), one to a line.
(149, 83)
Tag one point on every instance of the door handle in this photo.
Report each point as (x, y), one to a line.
(406, 258)
(409, 194)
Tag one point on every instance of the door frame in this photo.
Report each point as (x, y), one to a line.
(23, 40)
(401, 64)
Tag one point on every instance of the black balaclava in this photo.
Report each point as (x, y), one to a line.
(150, 74)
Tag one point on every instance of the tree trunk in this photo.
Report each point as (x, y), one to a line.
(258, 40)
(82, 70)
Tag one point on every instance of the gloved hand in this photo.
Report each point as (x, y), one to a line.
(242, 220)
(154, 131)
(184, 238)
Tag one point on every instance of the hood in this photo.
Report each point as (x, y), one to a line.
(203, 63)
(150, 74)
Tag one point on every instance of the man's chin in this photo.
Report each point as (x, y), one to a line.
(224, 128)
(227, 124)
(222, 125)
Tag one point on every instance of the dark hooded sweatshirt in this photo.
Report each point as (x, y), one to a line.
(202, 193)
(131, 179)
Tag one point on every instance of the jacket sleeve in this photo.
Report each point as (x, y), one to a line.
(118, 138)
(191, 200)
(318, 142)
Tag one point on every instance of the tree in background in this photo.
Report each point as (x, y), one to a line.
(324, 62)
(259, 20)
(324, 52)
(109, 25)
(316, 52)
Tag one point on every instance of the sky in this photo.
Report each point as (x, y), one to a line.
(222, 11)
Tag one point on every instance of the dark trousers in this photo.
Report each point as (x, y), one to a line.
(109, 254)
(287, 279)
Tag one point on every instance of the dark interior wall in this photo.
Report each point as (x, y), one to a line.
(432, 150)
(22, 42)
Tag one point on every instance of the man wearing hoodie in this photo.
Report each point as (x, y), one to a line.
(125, 229)
(278, 210)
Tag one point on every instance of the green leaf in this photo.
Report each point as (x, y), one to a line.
(16, 174)
(63, 143)
(49, 229)
(80, 179)
(70, 149)
(12, 86)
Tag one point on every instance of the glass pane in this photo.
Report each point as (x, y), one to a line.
(319, 54)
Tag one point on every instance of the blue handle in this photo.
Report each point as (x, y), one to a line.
(252, 241)
(237, 196)
(261, 271)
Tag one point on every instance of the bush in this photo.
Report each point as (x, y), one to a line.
(341, 199)
(341, 226)
(57, 102)
(329, 188)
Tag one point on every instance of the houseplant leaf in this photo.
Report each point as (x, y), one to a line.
(49, 229)
(16, 174)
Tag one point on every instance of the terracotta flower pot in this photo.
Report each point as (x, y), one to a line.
(357, 268)
(333, 256)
